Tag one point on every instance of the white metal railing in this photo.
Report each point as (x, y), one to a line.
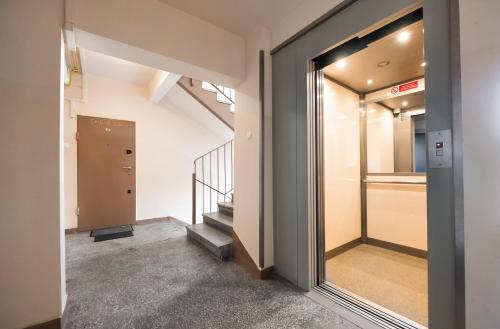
(213, 179)
(224, 94)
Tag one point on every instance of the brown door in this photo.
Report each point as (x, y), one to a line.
(106, 173)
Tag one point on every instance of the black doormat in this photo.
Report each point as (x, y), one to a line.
(118, 232)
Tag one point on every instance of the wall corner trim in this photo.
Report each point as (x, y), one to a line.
(242, 258)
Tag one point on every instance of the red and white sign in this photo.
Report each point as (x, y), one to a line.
(408, 86)
(398, 90)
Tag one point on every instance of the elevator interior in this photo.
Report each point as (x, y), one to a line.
(373, 173)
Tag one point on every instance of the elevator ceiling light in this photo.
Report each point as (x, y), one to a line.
(404, 36)
(341, 63)
(424, 64)
(370, 81)
(405, 103)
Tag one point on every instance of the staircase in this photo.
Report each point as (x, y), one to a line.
(215, 232)
(212, 181)
(218, 100)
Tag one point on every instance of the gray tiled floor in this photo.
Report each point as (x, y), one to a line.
(159, 279)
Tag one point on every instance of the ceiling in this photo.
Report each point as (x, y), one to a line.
(405, 59)
(237, 16)
(415, 100)
(115, 68)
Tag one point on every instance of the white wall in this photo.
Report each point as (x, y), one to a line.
(341, 129)
(167, 142)
(247, 141)
(480, 56)
(307, 12)
(32, 287)
(160, 36)
(380, 139)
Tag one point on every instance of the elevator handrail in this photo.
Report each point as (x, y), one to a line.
(407, 182)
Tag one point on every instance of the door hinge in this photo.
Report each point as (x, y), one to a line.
(78, 211)
(77, 135)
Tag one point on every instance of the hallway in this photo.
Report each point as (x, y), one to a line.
(159, 279)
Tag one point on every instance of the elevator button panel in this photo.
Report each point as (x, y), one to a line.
(440, 149)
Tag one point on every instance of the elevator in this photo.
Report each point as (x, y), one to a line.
(372, 170)
(300, 76)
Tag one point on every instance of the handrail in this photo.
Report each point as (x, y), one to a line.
(215, 149)
(222, 92)
(409, 182)
(214, 189)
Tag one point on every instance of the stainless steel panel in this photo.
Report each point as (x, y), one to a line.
(440, 149)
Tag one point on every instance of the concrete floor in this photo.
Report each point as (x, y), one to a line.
(390, 279)
(159, 279)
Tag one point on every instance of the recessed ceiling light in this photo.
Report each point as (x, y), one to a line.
(383, 63)
(341, 63)
(370, 81)
(405, 103)
(404, 36)
(424, 64)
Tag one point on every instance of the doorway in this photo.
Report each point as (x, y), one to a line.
(371, 158)
(106, 173)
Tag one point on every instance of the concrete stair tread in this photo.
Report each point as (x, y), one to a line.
(220, 216)
(226, 208)
(226, 204)
(212, 234)
(216, 241)
(219, 220)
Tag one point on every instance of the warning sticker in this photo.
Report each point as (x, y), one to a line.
(408, 86)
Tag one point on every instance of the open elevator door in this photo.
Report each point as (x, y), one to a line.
(371, 183)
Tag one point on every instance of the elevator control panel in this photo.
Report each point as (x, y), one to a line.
(440, 149)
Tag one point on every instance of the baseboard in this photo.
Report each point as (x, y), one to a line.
(377, 243)
(140, 222)
(71, 231)
(53, 324)
(242, 258)
(160, 220)
(343, 248)
(58, 323)
(397, 247)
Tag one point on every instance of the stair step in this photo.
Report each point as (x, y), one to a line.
(226, 207)
(219, 220)
(217, 242)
